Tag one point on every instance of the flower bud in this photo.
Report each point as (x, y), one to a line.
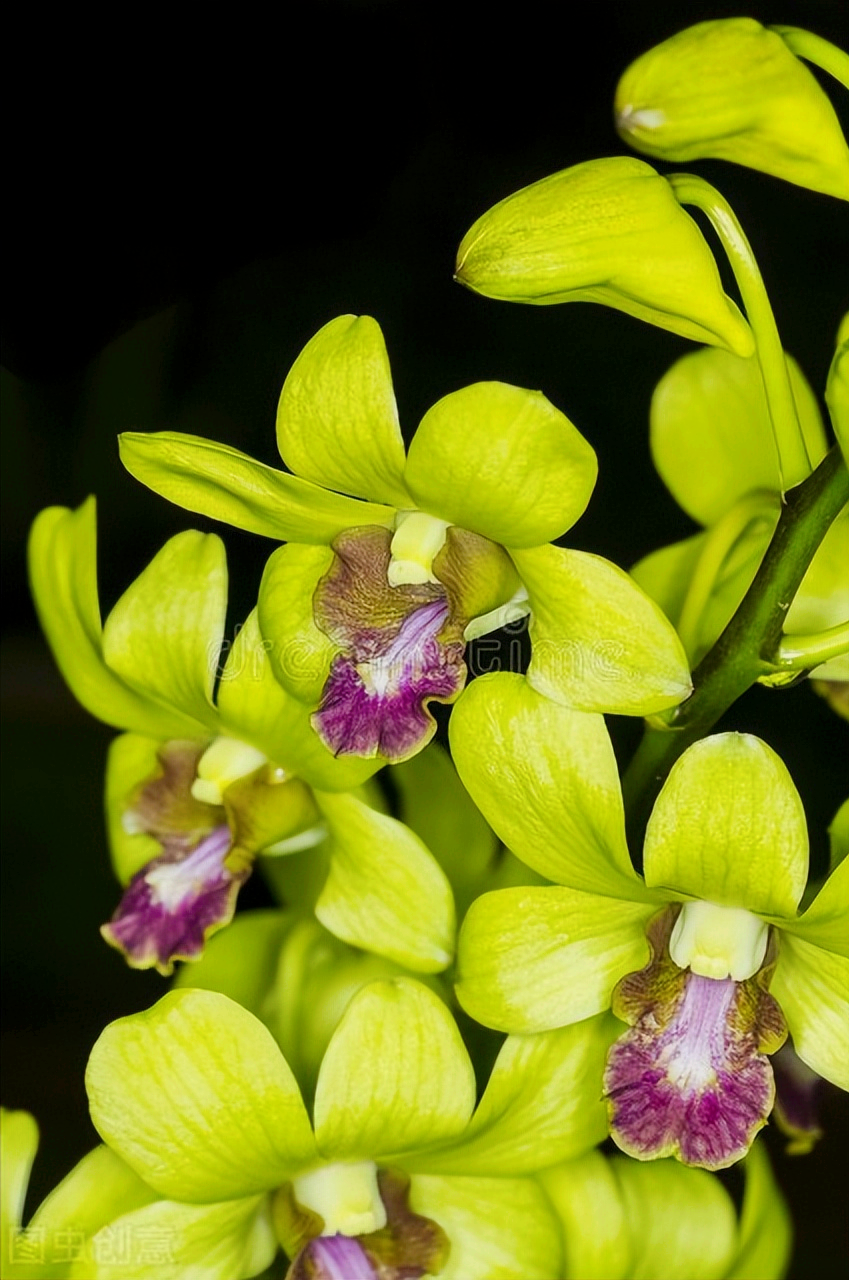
(608, 231)
(732, 90)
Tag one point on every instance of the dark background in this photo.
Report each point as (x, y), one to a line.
(184, 210)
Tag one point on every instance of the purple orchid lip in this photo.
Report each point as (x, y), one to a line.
(400, 646)
(174, 902)
(376, 705)
(690, 1077)
(333, 1258)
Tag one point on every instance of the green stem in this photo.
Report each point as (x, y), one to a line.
(816, 50)
(802, 652)
(793, 460)
(749, 647)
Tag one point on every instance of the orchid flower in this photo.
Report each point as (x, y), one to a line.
(367, 610)
(396, 1174)
(712, 445)
(704, 955)
(197, 788)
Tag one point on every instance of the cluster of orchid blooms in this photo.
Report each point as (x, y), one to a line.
(302, 1101)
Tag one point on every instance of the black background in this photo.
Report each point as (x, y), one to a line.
(185, 206)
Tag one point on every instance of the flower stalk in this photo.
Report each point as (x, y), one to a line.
(793, 460)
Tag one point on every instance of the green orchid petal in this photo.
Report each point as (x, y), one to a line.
(542, 1104)
(837, 391)
(683, 1224)
(316, 977)
(63, 577)
(164, 635)
(666, 574)
(241, 961)
(588, 1200)
(455, 830)
(224, 484)
(337, 421)
(732, 90)
(810, 985)
(766, 1231)
(598, 642)
(132, 760)
(99, 1188)
(826, 921)
(711, 436)
(608, 231)
(385, 891)
(185, 1242)
(255, 708)
(300, 654)
(196, 1097)
(728, 826)
(546, 780)
(503, 462)
(18, 1145)
(529, 959)
(499, 1228)
(396, 1075)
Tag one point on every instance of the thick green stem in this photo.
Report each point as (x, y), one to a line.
(749, 647)
(793, 461)
(822, 53)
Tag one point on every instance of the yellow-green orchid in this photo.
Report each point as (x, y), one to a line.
(396, 1174)
(713, 447)
(608, 231)
(100, 1188)
(367, 610)
(664, 1220)
(731, 965)
(198, 787)
(733, 90)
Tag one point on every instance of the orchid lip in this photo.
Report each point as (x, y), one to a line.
(377, 704)
(336, 1257)
(691, 1077)
(697, 1088)
(174, 902)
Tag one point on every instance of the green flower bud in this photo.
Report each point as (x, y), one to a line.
(732, 90)
(608, 231)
